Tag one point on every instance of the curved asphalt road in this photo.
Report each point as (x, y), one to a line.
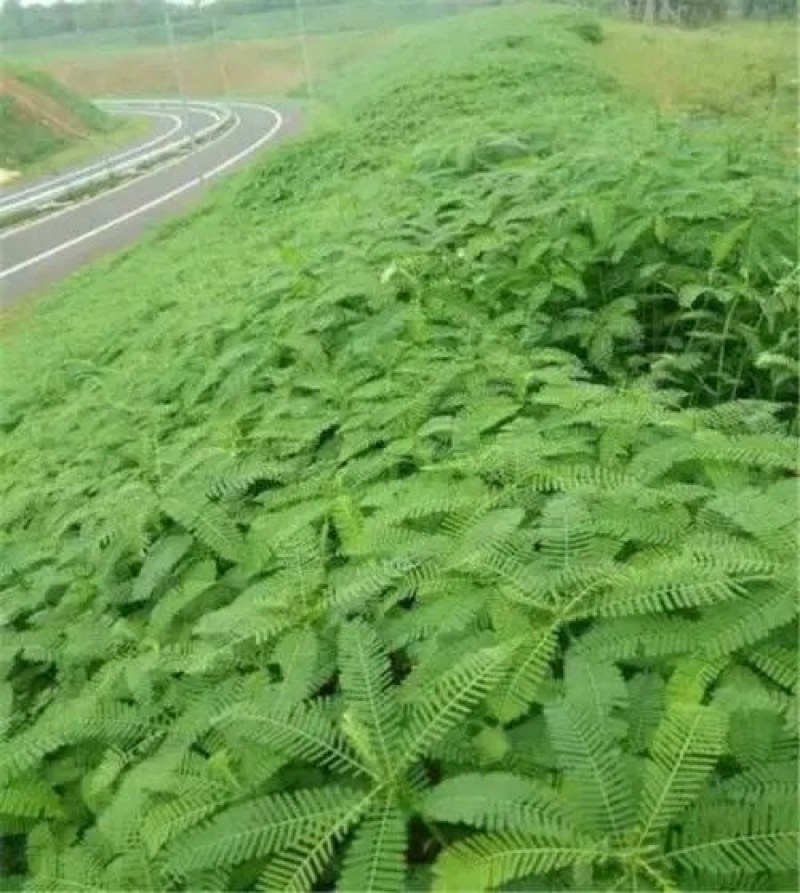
(37, 253)
(171, 125)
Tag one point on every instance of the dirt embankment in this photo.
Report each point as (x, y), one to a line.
(270, 67)
(40, 107)
(39, 117)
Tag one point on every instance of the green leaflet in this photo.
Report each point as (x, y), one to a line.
(759, 838)
(373, 717)
(159, 562)
(496, 801)
(208, 522)
(375, 860)
(486, 863)
(593, 767)
(29, 798)
(258, 828)
(684, 750)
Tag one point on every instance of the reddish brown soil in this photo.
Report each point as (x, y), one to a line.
(244, 67)
(41, 107)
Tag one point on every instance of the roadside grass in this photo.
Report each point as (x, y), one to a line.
(125, 130)
(418, 512)
(23, 139)
(741, 70)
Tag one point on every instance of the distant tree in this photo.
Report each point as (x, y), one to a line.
(769, 9)
(692, 13)
(686, 12)
(701, 12)
(64, 17)
(13, 20)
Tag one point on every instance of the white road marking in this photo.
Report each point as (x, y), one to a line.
(14, 202)
(154, 203)
(8, 233)
(177, 124)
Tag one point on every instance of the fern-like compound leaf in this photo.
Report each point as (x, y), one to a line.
(367, 685)
(375, 859)
(255, 829)
(595, 773)
(301, 733)
(29, 798)
(685, 749)
(496, 801)
(296, 868)
(520, 684)
(755, 840)
(491, 861)
(209, 523)
(161, 559)
(449, 699)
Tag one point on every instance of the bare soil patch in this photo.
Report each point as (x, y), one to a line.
(257, 67)
(41, 107)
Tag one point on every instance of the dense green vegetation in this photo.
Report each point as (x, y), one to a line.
(24, 139)
(432, 527)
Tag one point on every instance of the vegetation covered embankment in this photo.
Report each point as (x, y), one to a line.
(433, 526)
(40, 117)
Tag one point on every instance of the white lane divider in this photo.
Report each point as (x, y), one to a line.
(154, 203)
(100, 196)
(220, 116)
(177, 123)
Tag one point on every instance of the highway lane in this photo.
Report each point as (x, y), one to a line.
(38, 253)
(172, 123)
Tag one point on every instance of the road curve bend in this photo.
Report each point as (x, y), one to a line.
(43, 250)
(174, 126)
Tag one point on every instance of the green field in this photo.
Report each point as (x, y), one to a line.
(743, 70)
(419, 512)
(121, 134)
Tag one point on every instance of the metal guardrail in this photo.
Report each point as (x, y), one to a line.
(99, 171)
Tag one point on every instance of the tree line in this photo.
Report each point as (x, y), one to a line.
(193, 20)
(69, 16)
(702, 12)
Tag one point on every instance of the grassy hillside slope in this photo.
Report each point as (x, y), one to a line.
(418, 514)
(744, 70)
(39, 117)
(271, 67)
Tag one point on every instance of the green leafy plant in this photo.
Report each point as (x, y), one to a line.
(446, 543)
(591, 31)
